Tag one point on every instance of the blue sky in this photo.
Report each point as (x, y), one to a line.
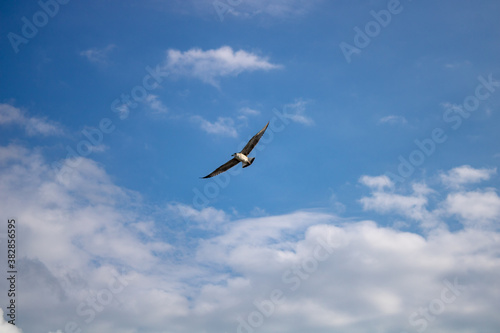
(383, 143)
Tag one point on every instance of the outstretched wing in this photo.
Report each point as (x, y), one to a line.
(253, 141)
(226, 166)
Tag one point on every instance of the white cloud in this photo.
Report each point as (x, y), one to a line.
(457, 64)
(281, 8)
(382, 202)
(320, 295)
(378, 182)
(246, 9)
(452, 107)
(257, 232)
(474, 209)
(75, 205)
(392, 119)
(477, 208)
(97, 55)
(222, 126)
(147, 228)
(412, 206)
(465, 174)
(244, 114)
(123, 111)
(86, 239)
(211, 65)
(98, 148)
(296, 112)
(246, 111)
(10, 114)
(79, 233)
(206, 218)
(6, 327)
(12, 153)
(153, 102)
(32, 125)
(337, 206)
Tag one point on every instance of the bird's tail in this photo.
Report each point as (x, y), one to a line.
(250, 161)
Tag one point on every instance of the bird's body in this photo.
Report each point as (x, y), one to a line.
(244, 159)
(242, 156)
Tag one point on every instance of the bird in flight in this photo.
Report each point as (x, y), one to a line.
(242, 156)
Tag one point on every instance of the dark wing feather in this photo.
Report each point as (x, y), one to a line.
(253, 141)
(226, 166)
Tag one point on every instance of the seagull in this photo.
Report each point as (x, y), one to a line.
(242, 156)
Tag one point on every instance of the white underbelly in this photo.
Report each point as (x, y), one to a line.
(242, 158)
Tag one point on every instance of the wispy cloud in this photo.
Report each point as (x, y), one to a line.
(296, 112)
(123, 111)
(392, 119)
(206, 218)
(247, 9)
(377, 182)
(155, 104)
(96, 55)
(338, 206)
(222, 126)
(32, 125)
(211, 65)
(246, 111)
(451, 106)
(280, 8)
(457, 64)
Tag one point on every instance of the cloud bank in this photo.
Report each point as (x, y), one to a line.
(93, 258)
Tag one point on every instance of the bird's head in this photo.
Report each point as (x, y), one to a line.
(233, 154)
